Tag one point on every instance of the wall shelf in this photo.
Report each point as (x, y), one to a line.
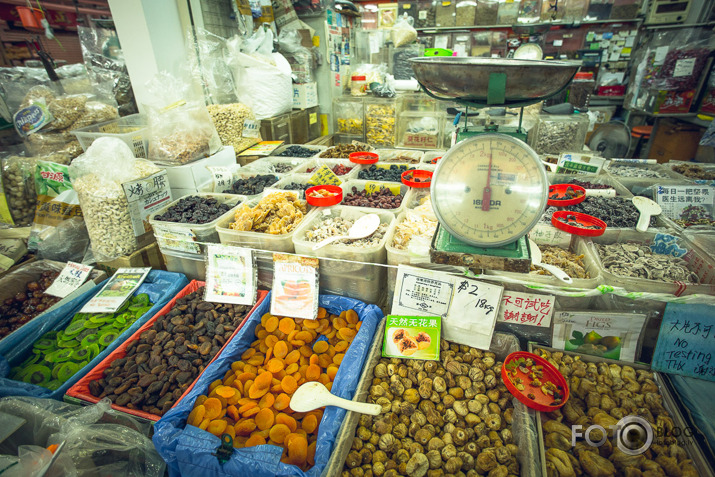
(526, 25)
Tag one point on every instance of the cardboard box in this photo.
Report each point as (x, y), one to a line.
(668, 102)
(195, 174)
(305, 95)
(149, 256)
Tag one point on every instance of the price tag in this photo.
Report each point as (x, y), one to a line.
(176, 239)
(422, 15)
(547, 234)
(223, 177)
(687, 202)
(374, 187)
(230, 275)
(420, 140)
(412, 337)
(70, 278)
(295, 286)
(251, 128)
(116, 291)
(583, 163)
(660, 53)
(526, 309)
(684, 67)
(606, 335)
(686, 342)
(324, 176)
(313, 118)
(558, 43)
(146, 196)
(422, 292)
(474, 310)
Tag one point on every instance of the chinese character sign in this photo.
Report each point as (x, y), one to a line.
(526, 309)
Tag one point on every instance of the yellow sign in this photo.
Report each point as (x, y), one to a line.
(324, 176)
(313, 118)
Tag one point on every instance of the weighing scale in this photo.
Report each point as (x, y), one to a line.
(489, 189)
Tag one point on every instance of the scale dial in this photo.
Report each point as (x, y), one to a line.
(489, 190)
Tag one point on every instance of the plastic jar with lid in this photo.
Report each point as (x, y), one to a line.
(581, 89)
(358, 85)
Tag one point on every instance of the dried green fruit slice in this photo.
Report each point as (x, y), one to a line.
(81, 354)
(107, 337)
(89, 340)
(51, 335)
(34, 359)
(36, 374)
(59, 356)
(94, 350)
(66, 371)
(68, 344)
(101, 318)
(89, 324)
(44, 343)
(74, 328)
(53, 385)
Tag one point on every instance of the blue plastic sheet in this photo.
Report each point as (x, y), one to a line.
(161, 287)
(697, 397)
(188, 450)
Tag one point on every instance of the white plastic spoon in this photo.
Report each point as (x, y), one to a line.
(314, 394)
(647, 208)
(363, 227)
(555, 271)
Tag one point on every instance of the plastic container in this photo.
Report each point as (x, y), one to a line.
(314, 126)
(417, 179)
(364, 157)
(133, 130)
(279, 164)
(698, 262)
(193, 265)
(530, 11)
(400, 155)
(599, 9)
(362, 185)
(257, 240)
(426, 16)
(625, 9)
(349, 117)
(580, 224)
(166, 231)
(417, 102)
(508, 12)
(581, 89)
(465, 12)
(445, 13)
(560, 189)
(327, 200)
(317, 149)
(380, 122)
(299, 133)
(382, 166)
(291, 179)
(276, 129)
(314, 164)
(575, 10)
(249, 173)
(358, 85)
(420, 129)
(554, 134)
(432, 157)
(644, 185)
(358, 277)
(487, 12)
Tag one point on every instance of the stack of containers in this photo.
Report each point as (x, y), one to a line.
(181, 244)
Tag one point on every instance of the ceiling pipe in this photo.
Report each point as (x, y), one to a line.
(60, 8)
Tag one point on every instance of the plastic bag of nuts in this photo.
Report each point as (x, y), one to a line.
(19, 186)
(234, 124)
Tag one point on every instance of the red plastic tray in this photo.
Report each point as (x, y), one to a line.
(324, 201)
(363, 157)
(541, 402)
(424, 176)
(81, 389)
(583, 219)
(434, 161)
(561, 189)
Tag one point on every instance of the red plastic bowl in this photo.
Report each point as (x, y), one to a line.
(363, 157)
(416, 178)
(541, 401)
(561, 190)
(434, 161)
(324, 201)
(582, 219)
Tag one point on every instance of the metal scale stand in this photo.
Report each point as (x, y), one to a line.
(490, 189)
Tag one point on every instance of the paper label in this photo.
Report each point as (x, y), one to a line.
(374, 187)
(690, 203)
(295, 286)
(230, 275)
(116, 291)
(412, 337)
(684, 67)
(263, 148)
(547, 234)
(583, 163)
(660, 53)
(31, 119)
(526, 309)
(146, 196)
(422, 15)
(6, 263)
(183, 240)
(244, 7)
(323, 175)
(558, 42)
(686, 342)
(251, 128)
(313, 118)
(223, 177)
(422, 292)
(421, 140)
(606, 335)
(70, 278)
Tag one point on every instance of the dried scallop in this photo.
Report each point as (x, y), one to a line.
(276, 214)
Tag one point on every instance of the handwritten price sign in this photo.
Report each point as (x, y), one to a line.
(526, 309)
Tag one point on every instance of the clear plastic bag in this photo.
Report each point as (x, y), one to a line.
(300, 58)
(207, 61)
(181, 128)
(236, 125)
(403, 33)
(18, 182)
(97, 440)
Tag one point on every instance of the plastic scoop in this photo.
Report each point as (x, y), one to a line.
(536, 261)
(314, 395)
(647, 208)
(363, 227)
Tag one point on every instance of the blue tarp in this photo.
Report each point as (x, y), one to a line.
(161, 287)
(188, 450)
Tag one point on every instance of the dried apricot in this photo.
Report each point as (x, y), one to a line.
(230, 431)
(248, 353)
(271, 324)
(237, 365)
(200, 400)
(233, 413)
(245, 427)
(322, 313)
(247, 406)
(255, 440)
(264, 318)
(286, 325)
(311, 324)
(256, 392)
(291, 368)
(320, 346)
(253, 411)
(304, 336)
(341, 346)
(280, 350)
(267, 401)
(196, 415)
(279, 432)
(324, 378)
(324, 360)
(215, 384)
(204, 424)
(226, 392)
(332, 371)
(264, 419)
(292, 357)
(347, 333)
(213, 408)
(311, 454)
(313, 359)
(289, 384)
(271, 340)
(297, 449)
(352, 317)
(216, 427)
(309, 423)
(282, 402)
(274, 365)
(283, 418)
(306, 351)
(338, 358)
(312, 373)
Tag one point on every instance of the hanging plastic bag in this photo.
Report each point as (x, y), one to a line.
(236, 125)
(19, 187)
(301, 59)
(181, 128)
(207, 62)
(403, 33)
(263, 79)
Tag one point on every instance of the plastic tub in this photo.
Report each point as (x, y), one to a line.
(288, 179)
(247, 174)
(316, 163)
(707, 167)
(193, 265)
(317, 149)
(358, 277)
(271, 162)
(362, 185)
(167, 233)
(257, 240)
(400, 155)
(432, 155)
(698, 262)
(133, 130)
(643, 185)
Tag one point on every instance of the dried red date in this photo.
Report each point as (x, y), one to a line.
(382, 199)
(24, 306)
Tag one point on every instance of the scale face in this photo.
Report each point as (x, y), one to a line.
(490, 190)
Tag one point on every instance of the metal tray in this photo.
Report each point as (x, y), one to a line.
(694, 452)
(344, 439)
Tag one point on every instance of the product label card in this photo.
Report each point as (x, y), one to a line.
(526, 309)
(32, 118)
(70, 278)
(412, 337)
(264, 148)
(691, 204)
(230, 275)
(181, 240)
(251, 128)
(324, 176)
(146, 196)
(223, 177)
(116, 291)
(684, 67)
(422, 292)
(606, 335)
(582, 163)
(295, 286)
(547, 234)
(373, 187)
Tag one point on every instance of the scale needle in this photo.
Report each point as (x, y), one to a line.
(487, 194)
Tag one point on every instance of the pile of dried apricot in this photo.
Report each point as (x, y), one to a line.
(251, 402)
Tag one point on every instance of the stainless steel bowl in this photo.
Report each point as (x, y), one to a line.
(467, 78)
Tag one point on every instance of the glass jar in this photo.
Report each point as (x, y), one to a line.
(575, 10)
(466, 11)
(600, 9)
(508, 12)
(445, 14)
(425, 16)
(530, 11)
(358, 85)
(487, 12)
(581, 89)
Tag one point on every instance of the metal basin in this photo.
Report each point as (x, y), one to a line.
(468, 79)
